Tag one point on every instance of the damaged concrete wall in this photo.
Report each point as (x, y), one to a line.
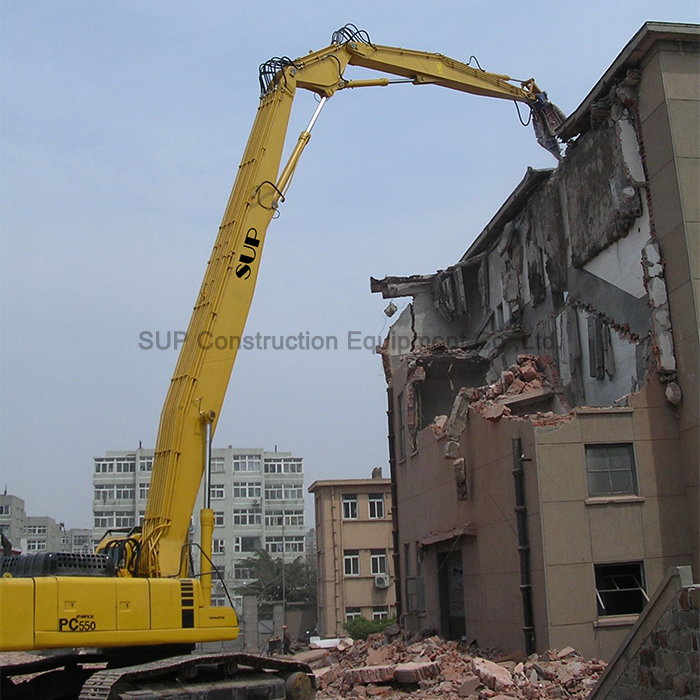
(578, 238)
(578, 299)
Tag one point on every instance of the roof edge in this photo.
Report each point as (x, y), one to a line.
(631, 55)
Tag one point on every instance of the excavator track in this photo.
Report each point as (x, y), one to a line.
(200, 676)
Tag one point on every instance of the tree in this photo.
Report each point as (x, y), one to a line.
(266, 583)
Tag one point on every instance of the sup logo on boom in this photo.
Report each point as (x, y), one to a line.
(79, 623)
(245, 260)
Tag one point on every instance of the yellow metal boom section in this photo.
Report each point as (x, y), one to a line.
(206, 359)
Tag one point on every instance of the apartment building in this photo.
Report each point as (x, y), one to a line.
(257, 498)
(13, 519)
(32, 533)
(354, 550)
(543, 390)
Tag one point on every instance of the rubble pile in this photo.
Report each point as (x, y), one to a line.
(517, 392)
(433, 668)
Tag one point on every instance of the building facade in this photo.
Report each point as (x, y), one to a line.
(543, 391)
(39, 533)
(354, 549)
(257, 498)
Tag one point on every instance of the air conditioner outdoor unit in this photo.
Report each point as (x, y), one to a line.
(382, 581)
(256, 502)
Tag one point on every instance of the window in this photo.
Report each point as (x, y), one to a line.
(273, 466)
(293, 492)
(123, 520)
(274, 544)
(349, 507)
(236, 544)
(124, 493)
(35, 529)
(292, 466)
(380, 612)
(217, 465)
(104, 518)
(219, 519)
(377, 561)
(125, 466)
(376, 506)
(36, 545)
(104, 466)
(218, 546)
(407, 560)
(218, 601)
(352, 613)
(294, 544)
(610, 469)
(351, 561)
(247, 489)
(217, 491)
(104, 492)
(273, 518)
(5, 510)
(273, 492)
(247, 516)
(242, 573)
(146, 464)
(294, 518)
(143, 491)
(246, 463)
(620, 588)
(250, 544)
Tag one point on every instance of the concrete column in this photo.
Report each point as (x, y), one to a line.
(277, 620)
(250, 624)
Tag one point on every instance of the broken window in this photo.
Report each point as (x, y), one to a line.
(349, 507)
(351, 562)
(620, 588)
(610, 469)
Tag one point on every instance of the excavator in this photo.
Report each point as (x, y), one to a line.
(130, 616)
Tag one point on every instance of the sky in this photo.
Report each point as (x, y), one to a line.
(121, 128)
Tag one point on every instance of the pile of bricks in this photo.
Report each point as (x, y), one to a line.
(433, 668)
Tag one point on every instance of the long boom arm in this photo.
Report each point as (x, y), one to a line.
(206, 360)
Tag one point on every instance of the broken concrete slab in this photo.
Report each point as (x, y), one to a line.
(370, 674)
(412, 672)
(491, 674)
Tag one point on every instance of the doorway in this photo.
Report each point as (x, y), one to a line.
(451, 592)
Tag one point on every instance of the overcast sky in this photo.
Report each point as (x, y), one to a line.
(123, 124)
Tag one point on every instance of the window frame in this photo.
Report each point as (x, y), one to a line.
(352, 511)
(380, 612)
(593, 490)
(352, 613)
(376, 557)
(351, 557)
(616, 570)
(373, 500)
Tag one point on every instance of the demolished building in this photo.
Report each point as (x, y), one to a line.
(543, 391)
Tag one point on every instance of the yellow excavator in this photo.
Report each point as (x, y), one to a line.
(137, 604)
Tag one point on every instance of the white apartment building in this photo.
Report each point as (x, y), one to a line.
(257, 498)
